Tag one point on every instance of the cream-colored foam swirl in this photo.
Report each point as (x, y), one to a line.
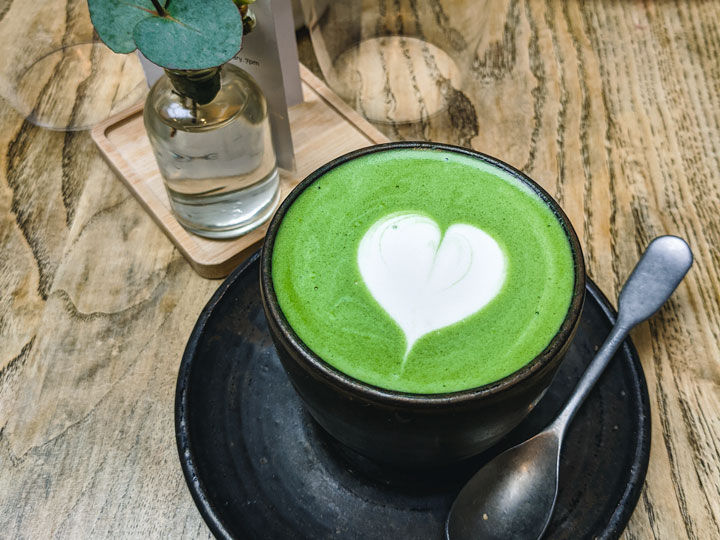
(424, 280)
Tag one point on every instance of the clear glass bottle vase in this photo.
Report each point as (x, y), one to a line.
(210, 133)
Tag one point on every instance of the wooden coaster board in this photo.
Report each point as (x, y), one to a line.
(323, 128)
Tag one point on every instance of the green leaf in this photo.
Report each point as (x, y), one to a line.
(195, 35)
(115, 21)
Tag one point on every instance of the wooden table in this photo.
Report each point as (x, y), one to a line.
(613, 106)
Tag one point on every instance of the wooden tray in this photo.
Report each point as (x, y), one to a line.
(323, 127)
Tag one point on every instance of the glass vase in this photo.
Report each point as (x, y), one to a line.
(210, 133)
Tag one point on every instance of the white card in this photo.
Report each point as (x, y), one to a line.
(269, 54)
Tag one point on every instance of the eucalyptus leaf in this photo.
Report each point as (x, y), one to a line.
(191, 34)
(115, 21)
(195, 35)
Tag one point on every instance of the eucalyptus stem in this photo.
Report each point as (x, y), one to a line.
(160, 9)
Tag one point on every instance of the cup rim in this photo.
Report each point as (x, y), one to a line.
(312, 363)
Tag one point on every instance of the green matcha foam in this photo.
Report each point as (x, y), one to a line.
(321, 290)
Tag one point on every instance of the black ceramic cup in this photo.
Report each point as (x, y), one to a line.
(415, 430)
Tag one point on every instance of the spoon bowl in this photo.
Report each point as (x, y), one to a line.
(531, 492)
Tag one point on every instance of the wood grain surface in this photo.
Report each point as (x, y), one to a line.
(613, 106)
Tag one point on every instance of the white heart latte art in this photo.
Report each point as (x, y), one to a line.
(425, 281)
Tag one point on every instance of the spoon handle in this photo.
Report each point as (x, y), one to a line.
(663, 265)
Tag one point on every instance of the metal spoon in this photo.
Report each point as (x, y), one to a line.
(513, 496)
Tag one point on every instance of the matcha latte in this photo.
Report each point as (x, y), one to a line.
(422, 270)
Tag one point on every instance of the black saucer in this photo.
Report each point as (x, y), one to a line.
(259, 467)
